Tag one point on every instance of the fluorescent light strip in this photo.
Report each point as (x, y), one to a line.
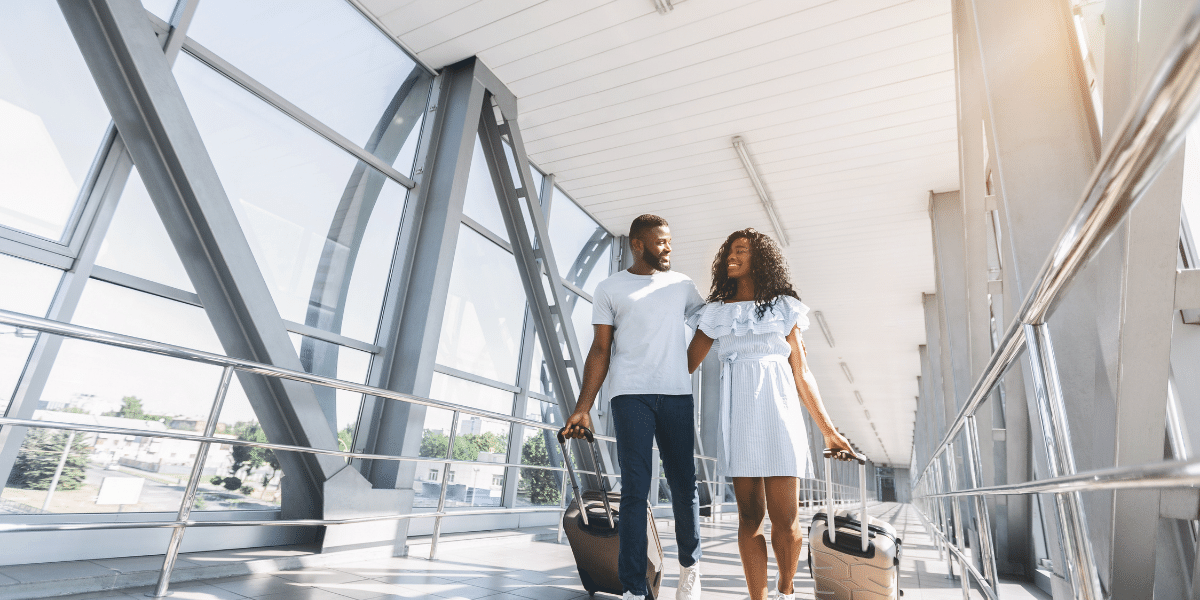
(824, 327)
(858, 396)
(740, 146)
(846, 370)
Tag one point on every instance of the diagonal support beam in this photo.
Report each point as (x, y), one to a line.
(148, 108)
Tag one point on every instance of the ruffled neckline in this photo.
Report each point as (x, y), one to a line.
(718, 319)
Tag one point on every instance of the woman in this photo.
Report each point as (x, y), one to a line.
(757, 319)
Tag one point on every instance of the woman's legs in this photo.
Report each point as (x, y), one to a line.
(752, 542)
(783, 505)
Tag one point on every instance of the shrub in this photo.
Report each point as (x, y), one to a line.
(232, 483)
(217, 480)
(246, 489)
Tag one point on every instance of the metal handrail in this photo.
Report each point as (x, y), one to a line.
(1149, 134)
(182, 521)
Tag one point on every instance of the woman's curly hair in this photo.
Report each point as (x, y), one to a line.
(768, 269)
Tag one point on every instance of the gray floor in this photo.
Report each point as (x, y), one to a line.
(528, 570)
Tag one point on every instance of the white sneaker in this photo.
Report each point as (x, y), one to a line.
(782, 596)
(629, 596)
(689, 583)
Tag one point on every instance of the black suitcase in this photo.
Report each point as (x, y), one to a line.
(592, 533)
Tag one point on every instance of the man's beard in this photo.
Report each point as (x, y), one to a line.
(655, 262)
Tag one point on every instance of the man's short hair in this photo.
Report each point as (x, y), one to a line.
(643, 223)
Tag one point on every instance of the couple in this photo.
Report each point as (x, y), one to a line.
(756, 319)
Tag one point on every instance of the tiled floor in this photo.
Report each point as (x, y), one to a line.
(527, 570)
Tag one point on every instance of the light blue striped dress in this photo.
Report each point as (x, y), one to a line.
(762, 419)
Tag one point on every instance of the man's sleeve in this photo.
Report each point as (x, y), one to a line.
(602, 308)
(694, 302)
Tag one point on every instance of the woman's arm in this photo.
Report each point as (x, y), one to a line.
(806, 385)
(698, 349)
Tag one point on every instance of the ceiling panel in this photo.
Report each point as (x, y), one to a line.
(846, 105)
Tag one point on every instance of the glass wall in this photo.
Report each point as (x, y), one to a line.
(321, 222)
(487, 336)
(312, 119)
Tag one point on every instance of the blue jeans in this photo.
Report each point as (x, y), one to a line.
(639, 418)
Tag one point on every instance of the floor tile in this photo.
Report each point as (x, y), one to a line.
(303, 594)
(55, 571)
(254, 587)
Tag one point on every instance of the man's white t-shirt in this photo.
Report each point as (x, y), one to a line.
(649, 352)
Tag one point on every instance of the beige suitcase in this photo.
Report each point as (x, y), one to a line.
(848, 563)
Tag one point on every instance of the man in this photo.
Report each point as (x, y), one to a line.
(640, 345)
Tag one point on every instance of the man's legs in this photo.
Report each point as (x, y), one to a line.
(634, 419)
(676, 433)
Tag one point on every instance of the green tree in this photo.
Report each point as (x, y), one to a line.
(467, 446)
(38, 459)
(543, 488)
(346, 438)
(131, 408)
(248, 457)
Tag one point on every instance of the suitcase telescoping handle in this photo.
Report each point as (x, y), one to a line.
(595, 450)
(831, 521)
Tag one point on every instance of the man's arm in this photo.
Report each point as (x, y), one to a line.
(595, 369)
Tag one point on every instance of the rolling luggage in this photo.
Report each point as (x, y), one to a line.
(592, 533)
(848, 562)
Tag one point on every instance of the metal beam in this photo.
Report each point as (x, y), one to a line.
(412, 320)
(148, 108)
(1135, 35)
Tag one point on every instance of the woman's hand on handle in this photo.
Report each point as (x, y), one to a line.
(839, 445)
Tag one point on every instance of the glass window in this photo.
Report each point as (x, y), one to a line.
(115, 387)
(481, 203)
(161, 8)
(322, 55)
(581, 246)
(485, 310)
(137, 242)
(52, 117)
(331, 360)
(28, 288)
(321, 224)
(478, 439)
(581, 318)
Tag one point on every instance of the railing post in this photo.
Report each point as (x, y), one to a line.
(959, 530)
(562, 500)
(441, 506)
(1072, 521)
(62, 463)
(986, 547)
(943, 525)
(189, 494)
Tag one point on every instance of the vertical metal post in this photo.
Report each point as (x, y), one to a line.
(830, 523)
(986, 548)
(62, 462)
(189, 493)
(862, 492)
(1052, 416)
(943, 524)
(960, 532)
(562, 502)
(441, 507)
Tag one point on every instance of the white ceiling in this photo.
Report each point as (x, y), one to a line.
(846, 105)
